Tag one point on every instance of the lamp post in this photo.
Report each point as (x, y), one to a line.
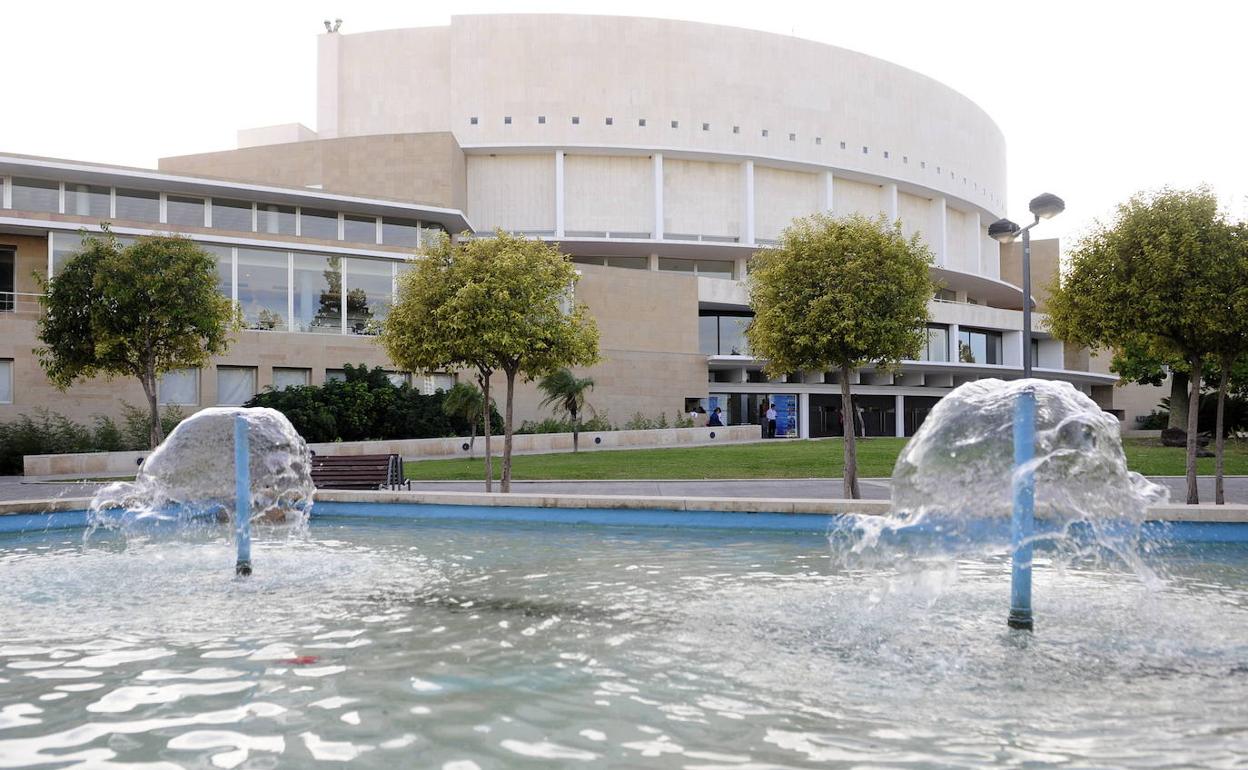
(1043, 206)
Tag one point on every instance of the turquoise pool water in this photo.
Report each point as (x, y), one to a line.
(460, 644)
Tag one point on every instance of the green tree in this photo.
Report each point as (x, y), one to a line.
(497, 304)
(137, 311)
(1150, 282)
(465, 401)
(566, 392)
(838, 294)
(1136, 364)
(1229, 347)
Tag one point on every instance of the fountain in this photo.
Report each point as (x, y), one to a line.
(188, 480)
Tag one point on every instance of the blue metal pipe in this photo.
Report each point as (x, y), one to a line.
(1023, 523)
(242, 496)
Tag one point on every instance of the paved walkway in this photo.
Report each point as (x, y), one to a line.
(20, 488)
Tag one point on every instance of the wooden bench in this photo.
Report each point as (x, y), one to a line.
(357, 471)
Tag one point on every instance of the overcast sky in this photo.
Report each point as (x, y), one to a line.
(1097, 100)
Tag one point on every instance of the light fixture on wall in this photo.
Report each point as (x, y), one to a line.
(1043, 206)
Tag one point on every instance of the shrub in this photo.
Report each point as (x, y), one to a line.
(51, 433)
(596, 424)
(641, 422)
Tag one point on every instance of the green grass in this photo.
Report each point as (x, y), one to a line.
(779, 460)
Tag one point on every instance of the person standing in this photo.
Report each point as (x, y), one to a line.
(771, 421)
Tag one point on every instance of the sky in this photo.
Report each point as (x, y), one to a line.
(1098, 100)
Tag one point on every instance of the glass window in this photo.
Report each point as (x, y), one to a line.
(284, 377)
(632, 263)
(677, 265)
(945, 295)
(6, 380)
(180, 387)
(231, 215)
(36, 195)
(1035, 350)
(979, 347)
(431, 383)
(86, 200)
(335, 375)
(399, 379)
(138, 205)
(314, 223)
(67, 245)
(369, 294)
(399, 232)
(430, 233)
(225, 267)
(590, 260)
(359, 229)
(7, 298)
(180, 210)
(714, 268)
(274, 219)
(732, 340)
(936, 348)
(236, 385)
(708, 335)
(262, 288)
(318, 294)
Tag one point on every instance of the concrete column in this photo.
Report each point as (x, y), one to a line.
(559, 228)
(1012, 349)
(747, 202)
(890, 202)
(977, 242)
(803, 415)
(658, 196)
(940, 235)
(739, 268)
(953, 343)
(826, 196)
(653, 263)
(899, 407)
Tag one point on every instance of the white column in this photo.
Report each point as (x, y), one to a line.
(658, 196)
(940, 235)
(890, 202)
(826, 193)
(207, 212)
(977, 242)
(747, 202)
(899, 407)
(653, 263)
(559, 227)
(803, 415)
(953, 343)
(740, 269)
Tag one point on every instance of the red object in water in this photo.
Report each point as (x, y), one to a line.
(302, 660)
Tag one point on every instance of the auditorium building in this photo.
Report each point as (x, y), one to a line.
(659, 155)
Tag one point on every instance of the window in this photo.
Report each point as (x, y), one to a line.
(231, 215)
(936, 348)
(138, 205)
(792, 137)
(842, 145)
(7, 278)
(632, 263)
(284, 377)
(179, 387)
(641, 122)
(6, 380)
(905, 158)
(541, 120)
(399, 232)
(335, 375)
(706, 126)
(236, 385)
(430, 233)
(723, 334)
(736, 129)
(576, 120)
(922, 164)
(677, 265)
(764, 133)
(979, 347)
(675, 124)
(274, 219)
(369, 294)
(507, 120)
(318, 294)
(88, 201)
(610, 121)
(359, 229)
(316, 223)
(436, 381)
(472, 121)
(263, 288)
(714, 267)
(818, 140)
(1035, 352)
(188, 212)
(590, 260)
(865, 150)
(225, 267)
(886, 155)
(399, 379)
(36, 195)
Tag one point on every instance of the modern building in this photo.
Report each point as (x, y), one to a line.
(660, 155)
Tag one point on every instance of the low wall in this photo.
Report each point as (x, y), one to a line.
(112, 463)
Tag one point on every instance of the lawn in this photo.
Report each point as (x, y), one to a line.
(782, 459)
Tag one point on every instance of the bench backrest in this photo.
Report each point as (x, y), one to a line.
(357, 471)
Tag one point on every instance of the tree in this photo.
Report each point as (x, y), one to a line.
(1135, 364)
(139, 311)
(566, 392)
(497, 304)
(1230, 339)
(1150, 282)
(464, 401)
(838, 294)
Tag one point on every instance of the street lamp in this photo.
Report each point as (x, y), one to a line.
(1043, 206)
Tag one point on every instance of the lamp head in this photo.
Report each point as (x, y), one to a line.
(1003, 230)
(1047, 206)
(328, 27)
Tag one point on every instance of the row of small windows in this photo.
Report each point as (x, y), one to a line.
(236, 385)
(87, 200)
(765, 133)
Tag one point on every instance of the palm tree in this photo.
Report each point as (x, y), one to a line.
(464, 400)
(566, 392)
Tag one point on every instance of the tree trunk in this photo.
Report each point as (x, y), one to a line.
(576, 430)
(1219, 497)
(1178, 400)
(472, 437)
(155, 434)
(847, 429)
(1193, 413)
(507, 427)
(483, 375)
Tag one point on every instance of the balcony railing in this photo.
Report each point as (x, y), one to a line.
(20, 302)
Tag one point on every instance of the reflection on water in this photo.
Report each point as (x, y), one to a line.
(475, 645)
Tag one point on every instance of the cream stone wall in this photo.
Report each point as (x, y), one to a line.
(514, 192)
(1046, 256)
(701, 198)
(608, 193)
(780, 196)
(915, 213)
(851, 197)
(959, 254)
